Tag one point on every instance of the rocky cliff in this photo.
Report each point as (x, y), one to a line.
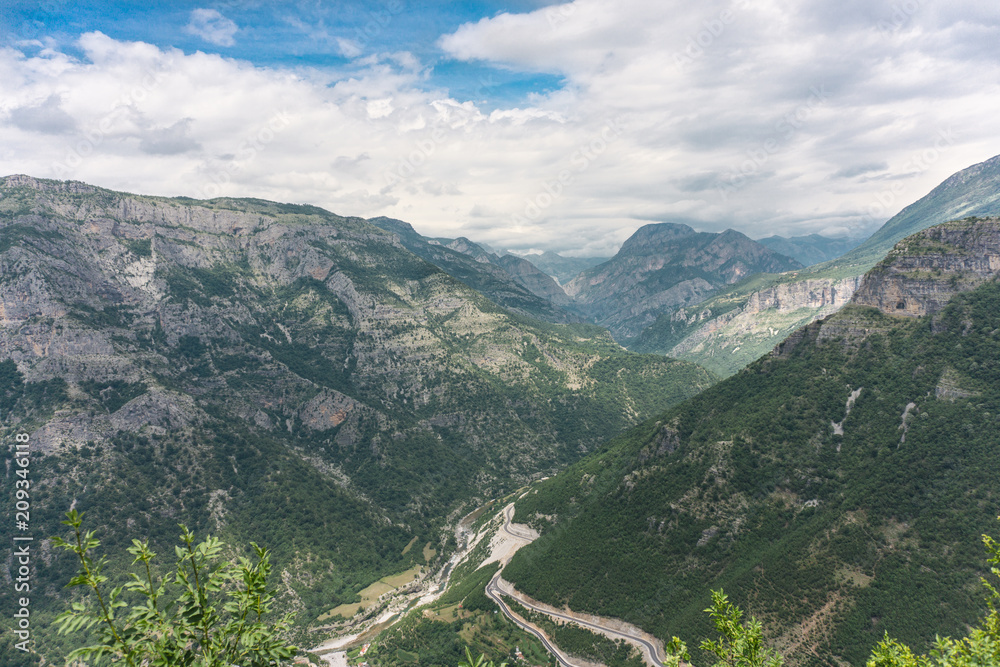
(512, 283)
(924, 271)
(725, 348)
(837, 489)
(482, 271)
(533, 279)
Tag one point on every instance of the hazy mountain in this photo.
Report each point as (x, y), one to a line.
(739, 324)
(972, 191)
(663, 267)
(532, 278)
(281, 374)
(480, 270)
(562, 268)
(836, 488)
(811, 249)
(518, 286)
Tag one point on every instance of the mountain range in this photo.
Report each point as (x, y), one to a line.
(738, 324)
(663, 267)
(343, 389)
(811, 249)
(280, 374)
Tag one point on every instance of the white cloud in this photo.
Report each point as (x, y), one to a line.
(765, 116)
(212, 26)
(348, 48)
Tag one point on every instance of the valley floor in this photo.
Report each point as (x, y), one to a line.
(503, 542)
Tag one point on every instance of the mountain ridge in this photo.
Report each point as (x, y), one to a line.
(728, 330)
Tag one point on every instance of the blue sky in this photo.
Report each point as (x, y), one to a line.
(302, 34)
(527, 125)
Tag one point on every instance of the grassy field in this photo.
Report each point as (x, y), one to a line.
(372, 593)
(409, 545)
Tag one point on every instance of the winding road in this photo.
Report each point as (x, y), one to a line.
(495, 590)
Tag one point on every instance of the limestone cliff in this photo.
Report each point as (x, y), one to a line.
(717, 340)
(924, 271)
(279, 373)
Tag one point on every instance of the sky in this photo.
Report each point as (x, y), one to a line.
(528, 125)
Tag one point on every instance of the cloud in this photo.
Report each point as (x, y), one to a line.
(171, 140)
(705, 113)
(860, 169)
(348, 48)
(212, 26)
(46, 117)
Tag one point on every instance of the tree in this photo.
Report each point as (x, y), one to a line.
(738, 645)
(477, 662)
(209, 612)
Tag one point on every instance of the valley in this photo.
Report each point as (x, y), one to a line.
(536, 333)
(280, 374)
(351, 393)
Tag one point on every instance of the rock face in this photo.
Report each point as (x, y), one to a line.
(973, 191)
(528, 275)
(728, 340)
(721, 340)
(924, 271)
(824, 473)
(664, 267)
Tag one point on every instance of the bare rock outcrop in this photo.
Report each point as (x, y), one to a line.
(924, 271)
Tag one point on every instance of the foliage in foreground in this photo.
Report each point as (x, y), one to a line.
(980, 647)
(209, 613)
(741, 645)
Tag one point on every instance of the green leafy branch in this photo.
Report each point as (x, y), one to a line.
(209, 612)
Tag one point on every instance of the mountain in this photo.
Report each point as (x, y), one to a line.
(531, 277)
(513, 285)
(738, 324)
(276, 373)
(836, 488)
(663, 267)
(974, 191)
(562, 268)
(811, 249)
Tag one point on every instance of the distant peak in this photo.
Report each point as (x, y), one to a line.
(392, 224)
(656, 234)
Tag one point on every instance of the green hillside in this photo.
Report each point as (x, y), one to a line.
(834, 519)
